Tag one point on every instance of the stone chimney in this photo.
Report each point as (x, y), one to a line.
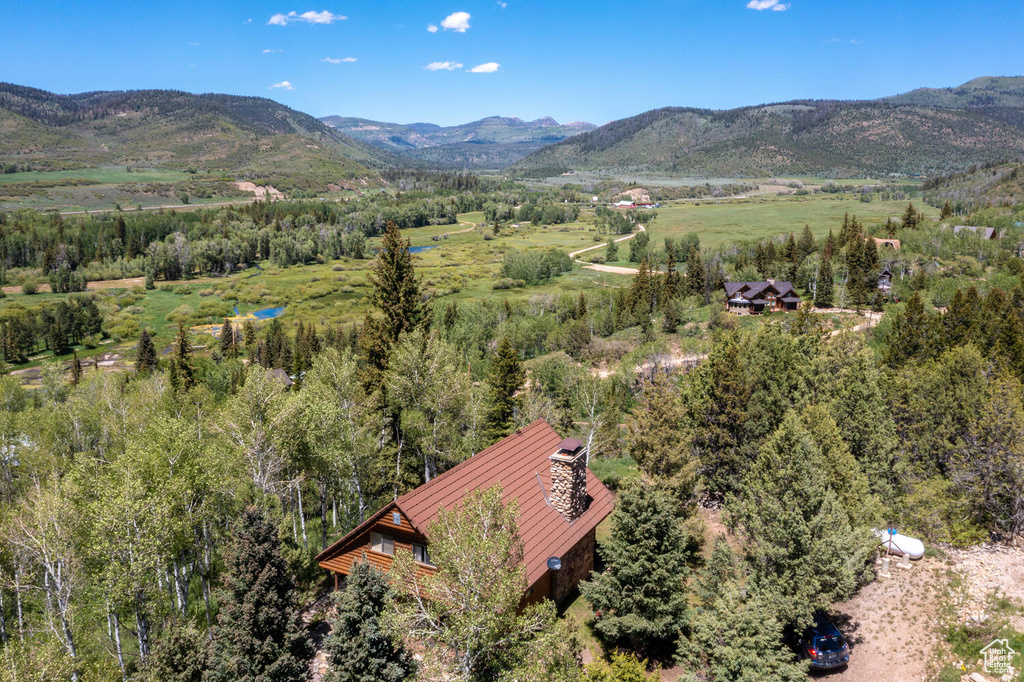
(569, 479)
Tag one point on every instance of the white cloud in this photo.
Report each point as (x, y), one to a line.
(432, 28)
(773, 5)
(489, 67)
(193, 44)
(335, 60)
(348, 59)
(269, 51)
(503, 5)
(443, 66)
(310, 17)
(456, 21)
(283, 84)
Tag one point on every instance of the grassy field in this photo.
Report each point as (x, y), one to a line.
(108, 175)
(757, 218)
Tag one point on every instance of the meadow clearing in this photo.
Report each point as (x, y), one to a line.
(457, 262)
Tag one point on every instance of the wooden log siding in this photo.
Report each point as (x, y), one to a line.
(359, 544)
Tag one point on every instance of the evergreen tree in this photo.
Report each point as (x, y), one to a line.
(732, 637)
(505, 379)
(803, 552)
(641, 292)
(960, 323)
(180, 655)
(581, 307)
(640, 598)
(182, 360)
(718, 414)
(396, 295)
(360, 648)
(227, 339)
(823, 288)
(451, 316)
(258, 636)
(910, 334)
(249, 339)
(638, 247)
(670, 322)
(806, 245)
(947, 210)
(910, 217)
(658, 444)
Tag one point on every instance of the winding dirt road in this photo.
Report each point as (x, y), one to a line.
(613, 269)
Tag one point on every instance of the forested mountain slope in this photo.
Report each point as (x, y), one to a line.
(492, 142)
(994, 184)
(924, 132)
(252, 135)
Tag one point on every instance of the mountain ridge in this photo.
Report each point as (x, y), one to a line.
(490, 142)
(252, 136)
(890, 135)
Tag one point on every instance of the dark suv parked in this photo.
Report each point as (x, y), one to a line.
(824, 646)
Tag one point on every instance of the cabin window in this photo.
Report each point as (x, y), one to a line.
(383, 544)
(420, 554)
(396, 518)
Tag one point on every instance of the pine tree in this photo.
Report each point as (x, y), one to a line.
(670, 322)
(910, 334)
(830, 246)
(249, 339)
(641, 292)
(505, 379)
(727, 622)
(145, 356)
(807, 245)
(823, 288)
(581, 307)
(183, 359)
(258, 636)
(451, 316)
(960, 323)
(640, 598)
(947, 210)
(659, 445)
(360, 648)
(180, 655)
(910, 217)
(719, 415)
(396, 294)
(802, 550)
(227, 339)
(871, 267)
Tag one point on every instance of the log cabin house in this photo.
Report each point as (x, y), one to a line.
(753, 298)
(561, 503)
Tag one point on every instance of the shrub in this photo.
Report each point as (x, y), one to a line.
(29, 287)
(508, 283)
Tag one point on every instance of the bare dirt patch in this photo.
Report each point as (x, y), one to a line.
(260, 192)
(892, 625)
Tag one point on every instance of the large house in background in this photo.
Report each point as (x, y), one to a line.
(757, 297)
(560, 505)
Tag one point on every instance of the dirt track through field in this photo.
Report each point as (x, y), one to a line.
(613, 269)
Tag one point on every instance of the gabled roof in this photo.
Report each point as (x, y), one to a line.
(754, 290)
(985, 232)
(515, 462)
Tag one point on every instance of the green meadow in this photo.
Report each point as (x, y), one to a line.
(107, 175)
(733, 220)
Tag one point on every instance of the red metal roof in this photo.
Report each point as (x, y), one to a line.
(515, 462)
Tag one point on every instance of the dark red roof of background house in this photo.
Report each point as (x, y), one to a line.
(515, 462)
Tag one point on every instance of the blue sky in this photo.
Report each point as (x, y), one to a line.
(595, 61)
